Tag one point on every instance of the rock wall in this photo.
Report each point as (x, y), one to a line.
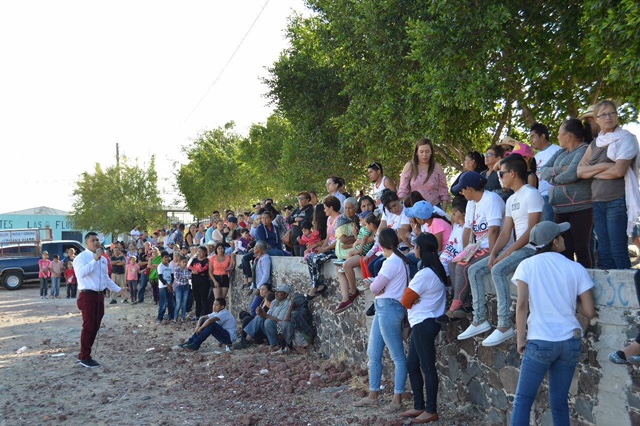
(482, 381)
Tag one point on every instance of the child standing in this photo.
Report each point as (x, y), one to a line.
(310, 238)
(182, 276)
(165, 288)
(44, 273)
(56, 268)
(133, 273)
(70, 278)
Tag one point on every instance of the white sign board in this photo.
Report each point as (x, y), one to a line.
(18, 236)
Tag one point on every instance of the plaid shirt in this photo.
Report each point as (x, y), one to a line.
(181, 276)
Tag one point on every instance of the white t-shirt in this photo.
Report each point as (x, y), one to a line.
(397, 272)
(452, 247)
(227, 321)
(542, 157)
(524, 201)
(432, 301)
(166, 272)
(554, 284)
(487, 212)
(396, 221)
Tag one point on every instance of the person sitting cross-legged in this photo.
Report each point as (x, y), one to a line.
(220, 324)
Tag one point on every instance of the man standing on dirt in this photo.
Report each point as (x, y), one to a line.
(93, 278)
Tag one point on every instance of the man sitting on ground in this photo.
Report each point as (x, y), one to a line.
(220, 324)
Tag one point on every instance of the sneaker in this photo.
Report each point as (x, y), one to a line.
(242, 344)
(498, 337)
(618, 357)
(113, 302)
(228, 348)
(339, 262)
(371, 311)
(343, 306)
(474, 330)
(89, 363)
(341, 270)
(190, 346)
(125, 301)
(634, 359)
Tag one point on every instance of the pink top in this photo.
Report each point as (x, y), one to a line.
(132, 272)
(331, 229)
(56, 268)
(44, 268)
(440, 226)
(220, 268)
(310, 239)
(434, 190)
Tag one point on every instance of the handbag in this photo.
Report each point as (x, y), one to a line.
(287, 238)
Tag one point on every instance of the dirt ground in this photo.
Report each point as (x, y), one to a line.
(145, 379)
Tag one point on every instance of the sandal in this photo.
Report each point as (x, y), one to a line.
(366, 402)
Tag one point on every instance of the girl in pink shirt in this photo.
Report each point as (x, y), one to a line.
(44, 274)
(133, 273)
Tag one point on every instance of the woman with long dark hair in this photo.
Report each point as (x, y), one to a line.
(386, 330)
(424, 175)
(425, 300)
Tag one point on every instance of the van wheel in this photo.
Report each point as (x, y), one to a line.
(13, 280)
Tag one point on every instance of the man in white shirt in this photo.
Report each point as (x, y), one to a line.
(540, 142)
(92, 273)
(523, 212)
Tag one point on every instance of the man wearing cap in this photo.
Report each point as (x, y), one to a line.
(523, 211)
(540, 141)
(277, 321)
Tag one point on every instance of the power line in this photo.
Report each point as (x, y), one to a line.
(228, 62)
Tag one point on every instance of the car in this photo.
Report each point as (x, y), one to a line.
(19, 262)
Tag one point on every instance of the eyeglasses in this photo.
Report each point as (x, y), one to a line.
(501, 173)
(608, 114)
(489, 154)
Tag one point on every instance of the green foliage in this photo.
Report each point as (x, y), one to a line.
(115, 200)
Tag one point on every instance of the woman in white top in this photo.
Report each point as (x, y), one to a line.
(425, 299)
(550, 338)
(379, 180)
(386, 330)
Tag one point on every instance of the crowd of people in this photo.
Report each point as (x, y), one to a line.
(542, 216)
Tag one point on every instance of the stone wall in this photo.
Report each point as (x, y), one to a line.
(480, 380)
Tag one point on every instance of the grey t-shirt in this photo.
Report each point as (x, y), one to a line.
(604, 190)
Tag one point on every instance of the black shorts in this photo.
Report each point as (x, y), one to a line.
(223, 280)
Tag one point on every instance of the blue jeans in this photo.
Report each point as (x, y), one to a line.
(167, 300)
(499, 273)
(44, 286)
(560, 360)
(270, 329)
(610, 224)
(547, 210)
(55, 286)
(215, 330)
(254, 328)
(386, 330)
(182, 295)
(144, 280)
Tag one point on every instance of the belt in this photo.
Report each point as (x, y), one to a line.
(90, 291)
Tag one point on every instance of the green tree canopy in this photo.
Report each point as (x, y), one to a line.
(115, 200)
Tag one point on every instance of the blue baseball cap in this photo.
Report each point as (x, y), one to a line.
(421, 210)
(470, 180)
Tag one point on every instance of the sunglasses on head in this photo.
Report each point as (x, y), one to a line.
(375, 165)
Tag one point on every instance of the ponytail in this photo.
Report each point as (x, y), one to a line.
(388, 239)
(429, 255)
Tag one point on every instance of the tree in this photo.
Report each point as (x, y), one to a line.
(115, 200)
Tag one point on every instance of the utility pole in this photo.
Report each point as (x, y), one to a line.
(118, 155)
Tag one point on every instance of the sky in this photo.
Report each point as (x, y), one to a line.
(80, 76)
